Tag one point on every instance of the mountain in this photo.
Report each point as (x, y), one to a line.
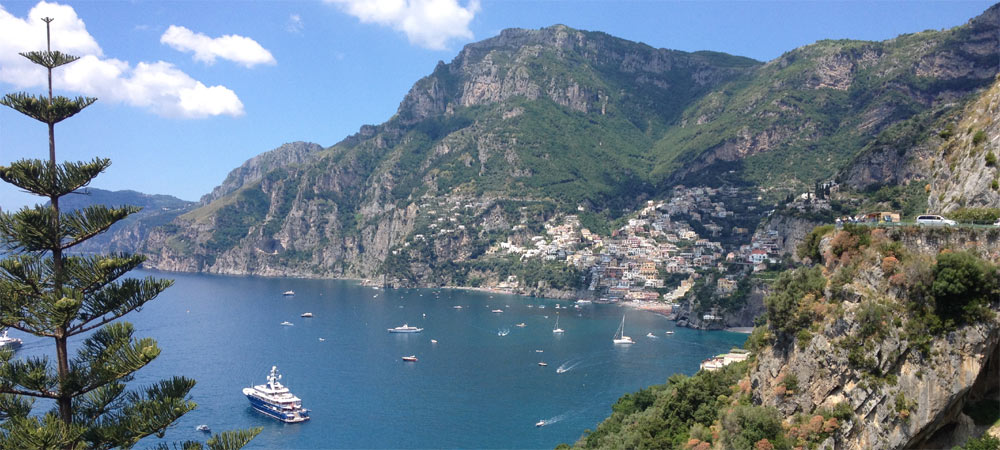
(128, 234)
(535, 124)
(255, 168)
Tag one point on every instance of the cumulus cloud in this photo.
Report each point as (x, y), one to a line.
(158, 87)
(427, 23)
(239, 49)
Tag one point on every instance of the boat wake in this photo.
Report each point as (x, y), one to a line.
(551, 420)
(503, 331)
(568, 365)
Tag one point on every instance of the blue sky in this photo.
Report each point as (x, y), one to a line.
(188, 90)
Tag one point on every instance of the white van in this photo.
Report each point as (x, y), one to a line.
(930, 219)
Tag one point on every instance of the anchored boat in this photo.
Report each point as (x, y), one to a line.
(275, 400)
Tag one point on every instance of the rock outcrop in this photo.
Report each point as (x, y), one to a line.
(906, 389)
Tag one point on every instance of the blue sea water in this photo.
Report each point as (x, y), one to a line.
(472, 389)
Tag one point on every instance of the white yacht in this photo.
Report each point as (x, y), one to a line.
(275, 400)
(405, 329)
(8, 342)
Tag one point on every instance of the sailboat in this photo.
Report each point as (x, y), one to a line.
(620, 337)
(557, 329)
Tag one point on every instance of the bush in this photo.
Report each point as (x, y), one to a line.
(984, 442)
(963, 287)
(784, 307)
(809, 248)
(976, 215)
(991, 159)
(745, 426)
(979, 137)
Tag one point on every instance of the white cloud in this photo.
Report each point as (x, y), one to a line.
(158, 87)
(239, 49)
(295, 24)
(427, 23)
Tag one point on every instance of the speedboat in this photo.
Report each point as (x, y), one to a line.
(457, 306)
(651, 335)
(203, 428)
(411, 358)
(287, 323)
(9, 342)
(541, 423)
(306, 314)
(497, 311)
(288, 293)
(522, 325)
(542, 363)
(583, 301)
(275, 400)
(405, 329)
(434, 341)
(670, 332)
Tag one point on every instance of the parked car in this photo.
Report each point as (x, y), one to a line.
(931, 219)
(997, 223)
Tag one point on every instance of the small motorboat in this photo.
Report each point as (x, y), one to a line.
(287, 323)
(411, 358)
(522, 325)
(322, 340)
(539, 351)
(670, 332)
(542, 363)
(306, 314)
(457, 306)
(497, 311)
(203, 428)
(288, 293)
(434, 341)
(651, 335)
(540, 423)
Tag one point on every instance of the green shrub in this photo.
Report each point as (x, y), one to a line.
(744, 426)
(975, 215)
(948, 131)
(783, 306)
(991, 159)
(984, 442)
(809, 248)
(963, 287)
(979, 137)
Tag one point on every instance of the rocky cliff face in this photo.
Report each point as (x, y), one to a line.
(255, 168)
(908, 387)
(966, 170)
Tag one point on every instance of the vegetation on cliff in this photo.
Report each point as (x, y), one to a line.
(871, 344)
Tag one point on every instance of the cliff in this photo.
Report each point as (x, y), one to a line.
(890, 341)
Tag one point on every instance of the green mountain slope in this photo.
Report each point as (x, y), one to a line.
(534, 123)
(811, 111)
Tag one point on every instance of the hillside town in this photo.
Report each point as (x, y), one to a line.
(657, 254)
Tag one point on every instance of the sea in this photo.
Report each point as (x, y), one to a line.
(479, 386)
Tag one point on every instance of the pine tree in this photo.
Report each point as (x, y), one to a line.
(48, 292)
